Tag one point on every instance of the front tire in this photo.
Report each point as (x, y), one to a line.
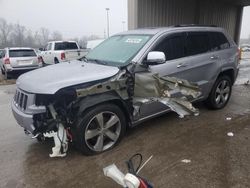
(99, 129)
(220, 93)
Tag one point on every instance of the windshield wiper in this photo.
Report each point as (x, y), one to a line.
(98, 61)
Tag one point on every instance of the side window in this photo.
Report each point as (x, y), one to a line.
(197, 43)
(48, 47)
(218, 41)
(1, 54)
(223, 42)
(172, 46)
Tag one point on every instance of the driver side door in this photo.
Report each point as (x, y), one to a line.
(173, 46)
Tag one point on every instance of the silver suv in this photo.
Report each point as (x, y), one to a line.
(127, 79)
(18, 59)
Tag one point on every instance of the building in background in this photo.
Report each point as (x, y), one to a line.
(159, 13)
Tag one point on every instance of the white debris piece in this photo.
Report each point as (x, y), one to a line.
(186, 161)
(247, 82)
(230, 134)
(228, 118)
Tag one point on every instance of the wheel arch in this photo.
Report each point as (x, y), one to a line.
(91, 101)
(228, 72)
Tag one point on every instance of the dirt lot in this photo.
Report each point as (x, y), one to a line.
(217, 160)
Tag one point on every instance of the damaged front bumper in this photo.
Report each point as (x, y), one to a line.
(24, 120)
(24, 108)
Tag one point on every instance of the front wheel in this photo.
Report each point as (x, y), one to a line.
(220, 93)
(99, 129)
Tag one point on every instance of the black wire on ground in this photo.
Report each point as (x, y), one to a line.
(130, 164)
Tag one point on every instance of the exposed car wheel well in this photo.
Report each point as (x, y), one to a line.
(229, 73)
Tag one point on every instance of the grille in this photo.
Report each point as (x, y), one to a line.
(21, 99)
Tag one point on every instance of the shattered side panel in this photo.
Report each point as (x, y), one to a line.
(151, 87)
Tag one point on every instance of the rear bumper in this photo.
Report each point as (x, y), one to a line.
(24, 120)
(16, 69)
(9, 68)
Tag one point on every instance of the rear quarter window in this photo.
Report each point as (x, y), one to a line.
(22, 53)
(218, 41)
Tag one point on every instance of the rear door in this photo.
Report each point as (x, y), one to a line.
(202, 61)
(47, 55)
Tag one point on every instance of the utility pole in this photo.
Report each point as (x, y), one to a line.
(123, 25)
(107, 9)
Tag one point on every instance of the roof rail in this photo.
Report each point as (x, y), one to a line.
(194, 25)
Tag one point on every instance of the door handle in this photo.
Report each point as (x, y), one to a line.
(181, 65)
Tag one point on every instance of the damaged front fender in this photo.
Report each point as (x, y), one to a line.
(147, 87)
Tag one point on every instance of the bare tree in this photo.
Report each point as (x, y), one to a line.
(44, 34)
(5, 31)
(56, 35)
(29, 39)
(18, 35)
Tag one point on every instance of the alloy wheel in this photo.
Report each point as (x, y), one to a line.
(102, 131)
(222, 92)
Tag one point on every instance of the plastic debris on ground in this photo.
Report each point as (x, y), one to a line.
(186, 161)
(230, 134)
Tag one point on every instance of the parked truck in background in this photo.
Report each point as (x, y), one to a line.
(62, 51)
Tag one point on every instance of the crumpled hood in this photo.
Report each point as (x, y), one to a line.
(50, 79)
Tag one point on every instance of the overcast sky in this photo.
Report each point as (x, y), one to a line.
(75, 18)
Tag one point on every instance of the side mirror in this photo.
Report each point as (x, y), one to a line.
(155, 58)
(41, 49)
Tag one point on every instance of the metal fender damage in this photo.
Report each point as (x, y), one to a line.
(133, 90)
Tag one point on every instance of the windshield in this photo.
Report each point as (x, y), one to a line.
(118, 50)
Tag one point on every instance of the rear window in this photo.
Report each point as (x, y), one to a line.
(66, 46)
(22, 53)
(197, 43)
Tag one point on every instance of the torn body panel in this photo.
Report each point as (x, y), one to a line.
(132, 90)
(148, 87)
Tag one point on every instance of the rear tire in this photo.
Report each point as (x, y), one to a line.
(56, 61)
(99, 129)
(220, 93)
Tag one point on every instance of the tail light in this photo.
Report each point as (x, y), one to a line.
(240, 53)
(7, 61)
(63, 56)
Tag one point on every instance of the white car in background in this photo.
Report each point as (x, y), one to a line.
(18, 59)
(62, 51)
